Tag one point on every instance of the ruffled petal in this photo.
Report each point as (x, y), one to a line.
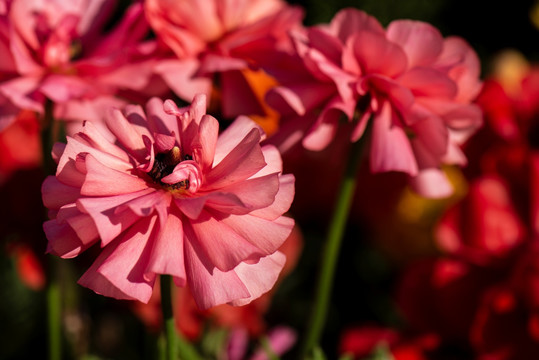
(119, 271)
(390, 147)
(211, 288)
(56, 194)
(259, 277)
(245, 160)
(221, 245)
(266, 235)
(110, 222)
(167, 254)
(422, 42)
(103, 181)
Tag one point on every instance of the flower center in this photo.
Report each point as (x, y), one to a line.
(164, 165)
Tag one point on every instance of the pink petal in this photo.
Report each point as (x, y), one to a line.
(428, 82)
(82, 224)
(204, 149)
(300, 98)
(377, 55)
(431, 183)
(62, 240)
(222, 246)
(430, 141)
(215, 63)
(109, 222)
(349, 21)
(211, 288)
(20, 90)
(126, 134)
(325, 128)
(225, 202)
(56, 194)
(266, 235)
(102, 181)
(191, 207)
(422, 42)
(93, 136)
(180, 77)
(245, 160)
(119, 271)
(323, 41)
(272, 157)
(255, 193)
(390, 147)
(283, 199)
(158, 120)
(259, 277)
(400, 96)
(234, 135)
(167, 253)
(62, 88)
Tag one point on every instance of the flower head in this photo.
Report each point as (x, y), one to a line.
(168, 195)
(411, 84)
(228, 44)
(56, 50)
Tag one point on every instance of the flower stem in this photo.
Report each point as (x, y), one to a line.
(168, 317)
(175, 343)
(331, 251)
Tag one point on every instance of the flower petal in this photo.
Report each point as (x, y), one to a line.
(102, 181)
(259, 277)
(119, 271)
(223, 247)
(211, 288)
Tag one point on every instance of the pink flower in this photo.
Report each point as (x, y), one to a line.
(218, 42)
(411, 83)
(55, 50)
(168, 196)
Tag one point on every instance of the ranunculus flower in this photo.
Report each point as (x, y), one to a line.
(411, 83)
(58, 50)
(218, 45)
(168, 196)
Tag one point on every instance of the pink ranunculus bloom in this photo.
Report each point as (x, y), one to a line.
(58, 50)
(215, 44)
(411, 84)
(170, 196)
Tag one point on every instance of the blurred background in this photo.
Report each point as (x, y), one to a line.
(391, 235)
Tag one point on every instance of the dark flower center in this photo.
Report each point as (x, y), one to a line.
(164, 165)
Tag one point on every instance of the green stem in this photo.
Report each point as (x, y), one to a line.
(332, 247)
(168, 318)
(175, 343)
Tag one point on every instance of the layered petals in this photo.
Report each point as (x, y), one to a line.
(163, 193)
(414, 86)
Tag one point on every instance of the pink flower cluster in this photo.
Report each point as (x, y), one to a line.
(57, 50)
(167, 195)
(410, 84)
(160, 190)
(230, 39)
